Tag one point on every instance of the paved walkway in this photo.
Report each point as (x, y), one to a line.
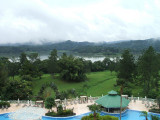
(81, 108)
(137, 106)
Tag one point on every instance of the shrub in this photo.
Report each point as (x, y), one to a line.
(51, 114)
(3, 103)
(127, 91)
(67, 112)
(154, 110)
(61, 113)
(106, 117)
(27, 77)
(153, 117)
(60, 108)
(49, 103)
(152, 94)
(87, 118)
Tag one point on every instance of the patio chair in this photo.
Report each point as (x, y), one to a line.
(17, 104)
(6, 107)
(71, 102)
(24, 105)
(79, 101)
(2, 107)
(66, 103)
(91, 99)
(75, 102)
(134, 100)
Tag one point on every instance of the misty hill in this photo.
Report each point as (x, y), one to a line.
(135, 46)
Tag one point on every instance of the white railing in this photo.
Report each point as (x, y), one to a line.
(147, 101)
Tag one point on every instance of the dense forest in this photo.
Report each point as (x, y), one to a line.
(135, 46)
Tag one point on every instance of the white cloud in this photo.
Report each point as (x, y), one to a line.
(78, 20)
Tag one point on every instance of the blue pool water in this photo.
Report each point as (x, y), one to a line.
(128, 115)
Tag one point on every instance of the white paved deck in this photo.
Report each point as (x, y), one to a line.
(82, 108)
(137, 106)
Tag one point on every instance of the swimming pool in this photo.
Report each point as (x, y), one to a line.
(128, 115)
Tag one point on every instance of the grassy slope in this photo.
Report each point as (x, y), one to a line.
(99, 83)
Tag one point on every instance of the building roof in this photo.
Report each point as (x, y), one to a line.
(112, 92)
(112, 100)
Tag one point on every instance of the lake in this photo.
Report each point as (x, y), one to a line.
(93, 59)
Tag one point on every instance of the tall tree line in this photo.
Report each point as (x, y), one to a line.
(142, 72)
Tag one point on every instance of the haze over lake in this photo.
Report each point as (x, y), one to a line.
(92, 58)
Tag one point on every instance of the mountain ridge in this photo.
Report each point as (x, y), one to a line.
(84, 47)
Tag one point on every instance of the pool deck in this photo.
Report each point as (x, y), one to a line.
(81, 108)
(137, 106)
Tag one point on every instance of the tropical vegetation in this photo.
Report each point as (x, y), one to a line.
(106, 117)
(4, 104)
(64, 76)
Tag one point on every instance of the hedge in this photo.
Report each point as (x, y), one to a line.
(98, 117)
(4, 104)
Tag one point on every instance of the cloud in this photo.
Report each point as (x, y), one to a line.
(78, 20)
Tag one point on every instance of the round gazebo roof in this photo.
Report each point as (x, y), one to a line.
(112, 92)
(112, 100)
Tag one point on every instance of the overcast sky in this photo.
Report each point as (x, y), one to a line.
(78, 20)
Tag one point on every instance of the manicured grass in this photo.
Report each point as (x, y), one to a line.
(98, 83)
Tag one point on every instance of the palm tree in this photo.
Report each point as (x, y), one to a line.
(145, 114)
(121, 91)
(158, 101)
(94, 108)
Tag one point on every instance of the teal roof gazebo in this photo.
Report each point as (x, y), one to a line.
(112, 100)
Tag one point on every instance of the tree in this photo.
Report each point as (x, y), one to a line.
(52, 62)
(19, 89)
(23, 58)
(111, 66)
(98, 66)
(148, 70)
(94, 108)
(13, 67)
(5, 61)
(125, 72)
(155, 117)
(145, 114)
(87, 64)
(35, 62)
(24, 65)
(158, 101)
(33, 57)
(49, 103)
(30, 67)
(3, 80)
(43, 66)
(72, 69)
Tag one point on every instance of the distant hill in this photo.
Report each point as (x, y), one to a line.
(135, 46)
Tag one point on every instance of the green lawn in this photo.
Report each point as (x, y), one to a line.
(98, 83)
